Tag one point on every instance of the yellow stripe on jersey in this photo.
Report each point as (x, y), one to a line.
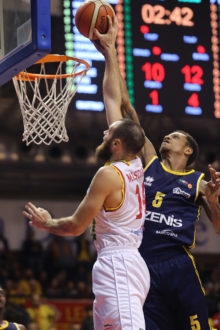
(150, 161)
(122, 161)
(123, 191)
(198, 183)
(194, 265)
(126, 162)
(194, 239)
(177, 173)
(6, 324)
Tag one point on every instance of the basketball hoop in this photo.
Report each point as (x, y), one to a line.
(44, 98)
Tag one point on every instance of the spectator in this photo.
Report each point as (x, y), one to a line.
(216, 317)
(59, 254)
(44, 280)
(43, 314)
(87, 323)
(33, 251)
(83, 290)
(11, 287)
(28, 285)
(83, 254)
(54, 290)
(33, 326)
(4, 248)
(70, 290)
(75, 327)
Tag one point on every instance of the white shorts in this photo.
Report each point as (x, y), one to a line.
(121, 282)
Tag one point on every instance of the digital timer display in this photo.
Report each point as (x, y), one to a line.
(158, 14)
(168, 51)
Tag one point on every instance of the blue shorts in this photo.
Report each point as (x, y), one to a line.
(176, 299)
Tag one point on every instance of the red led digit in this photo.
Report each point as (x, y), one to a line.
(193, 101)
(148, 72)
(186, 70)
(154, 96)
(198, 73)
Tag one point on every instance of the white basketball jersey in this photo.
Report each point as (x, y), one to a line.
(123, 226)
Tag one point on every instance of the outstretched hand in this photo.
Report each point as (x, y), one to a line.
(103, 42)
(38, 217)
(213, 186)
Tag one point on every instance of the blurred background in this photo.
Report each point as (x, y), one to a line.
(172, 84)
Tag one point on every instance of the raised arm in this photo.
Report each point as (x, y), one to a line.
(102, 185)
(111, 80)
(210, 192)
(128, 111)
(114, 85)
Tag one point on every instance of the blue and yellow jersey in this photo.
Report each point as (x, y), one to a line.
(171, 208)
(9, 326)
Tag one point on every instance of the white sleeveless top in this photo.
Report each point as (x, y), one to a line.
(123, 226)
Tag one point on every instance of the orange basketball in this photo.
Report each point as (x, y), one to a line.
(93, 14)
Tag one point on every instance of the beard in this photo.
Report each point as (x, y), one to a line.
(103, 151)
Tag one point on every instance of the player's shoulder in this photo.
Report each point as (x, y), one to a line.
(14, 326)
(106, 178)
(106, 173)
(153, 160)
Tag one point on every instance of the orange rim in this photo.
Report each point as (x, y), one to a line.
(25, 76)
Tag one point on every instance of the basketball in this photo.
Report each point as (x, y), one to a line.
(93, 14)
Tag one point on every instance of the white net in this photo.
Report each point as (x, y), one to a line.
(44, 102)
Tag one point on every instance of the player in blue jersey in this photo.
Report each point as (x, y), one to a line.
(3, 323)
(173, 197)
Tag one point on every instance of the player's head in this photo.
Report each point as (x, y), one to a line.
(180, 142)
(36, 299)
(32, 326)
(2, 298)
(125, 132)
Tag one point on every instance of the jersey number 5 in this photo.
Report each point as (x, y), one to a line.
(195, 325)
(158, 199)
(141, 201)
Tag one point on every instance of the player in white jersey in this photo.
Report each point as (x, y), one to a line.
(119, 273)
(116, 200)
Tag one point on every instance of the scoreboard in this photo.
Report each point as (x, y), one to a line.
(168, 51)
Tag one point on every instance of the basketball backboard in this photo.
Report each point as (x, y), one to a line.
(25, 35)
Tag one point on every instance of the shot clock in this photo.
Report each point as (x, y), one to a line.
(168, 50)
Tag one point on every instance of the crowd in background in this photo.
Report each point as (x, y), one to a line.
(61, 268)
(83, 153)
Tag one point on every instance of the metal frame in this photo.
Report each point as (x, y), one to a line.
(2, 44)
(24, 56)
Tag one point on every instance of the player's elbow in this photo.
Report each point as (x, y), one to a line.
(77, 230)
